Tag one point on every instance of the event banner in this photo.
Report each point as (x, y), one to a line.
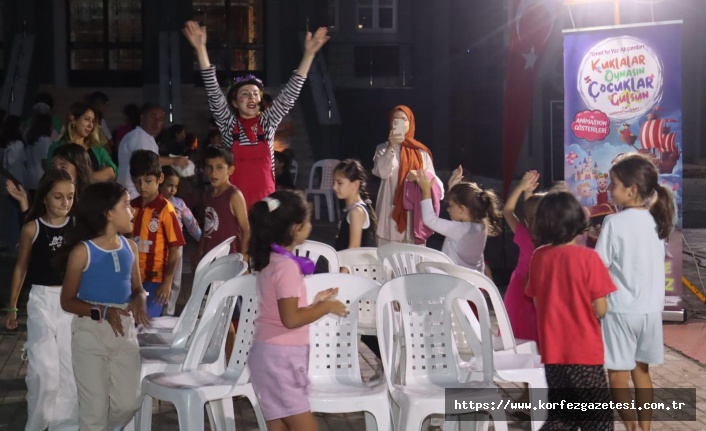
(622, 94)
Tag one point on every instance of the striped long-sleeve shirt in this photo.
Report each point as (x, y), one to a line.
(269, 119)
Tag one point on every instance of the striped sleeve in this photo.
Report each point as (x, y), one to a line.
(218, 105)
(281, 105)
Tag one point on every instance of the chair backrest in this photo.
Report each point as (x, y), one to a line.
(362, 261)
(220, 250)
(215, 321)
(294, 170)
(402, 259)
(314, 250)
(430, 355)
(333, 340)
(222, 269)
(326, 166)
(484, 283)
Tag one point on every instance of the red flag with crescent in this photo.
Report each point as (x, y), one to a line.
(530, 29)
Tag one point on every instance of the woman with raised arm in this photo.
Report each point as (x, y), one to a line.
(245, 127)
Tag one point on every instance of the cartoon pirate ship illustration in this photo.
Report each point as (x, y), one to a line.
(659, 142)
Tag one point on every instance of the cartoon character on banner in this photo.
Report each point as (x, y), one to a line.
(602, 193)
(584, 191)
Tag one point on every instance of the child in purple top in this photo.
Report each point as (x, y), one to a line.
(520, 307)
(186, 219)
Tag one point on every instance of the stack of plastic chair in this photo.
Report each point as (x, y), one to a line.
(192, 388)
(315, 250)
(363, 262)
(168, 323)
(222, 269)
(334, 368)
(431, 362)
(325, 188)
(211, 329)
(513, 362)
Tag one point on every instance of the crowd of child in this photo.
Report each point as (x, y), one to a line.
(588, 310)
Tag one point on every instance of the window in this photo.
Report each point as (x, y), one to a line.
(105, 36)
(235, 39)
(376, 15)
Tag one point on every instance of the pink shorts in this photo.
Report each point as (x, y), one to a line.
(279, 375)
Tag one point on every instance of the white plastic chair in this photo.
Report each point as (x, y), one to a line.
(505, 342)
(429, 362)
(190, 389)
(513, 362)
(402, 259)
(294, 170)
(363, 262)
(222, 269)
(209, 337)
(324, 188)
(168, 323)
(334, 368)
(314, 250)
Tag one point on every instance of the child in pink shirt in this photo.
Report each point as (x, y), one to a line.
(279, 356)
(520, 307)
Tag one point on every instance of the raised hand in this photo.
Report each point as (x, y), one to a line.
(19, 194)
(456, 176)
(529, 183)
(393, 139)
(414, 175)
(422, 179)
(195, 34)
(313, 43)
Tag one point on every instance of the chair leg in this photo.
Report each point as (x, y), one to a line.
(143, 417)
(411, 420)
(538, 417)
(329, 207)
(224, 414)
(379, 419)
(249, 393)
(317, 207)
(190, 416)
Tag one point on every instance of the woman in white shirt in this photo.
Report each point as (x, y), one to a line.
(393, 161)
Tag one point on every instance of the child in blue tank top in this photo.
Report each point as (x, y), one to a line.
(102, 287)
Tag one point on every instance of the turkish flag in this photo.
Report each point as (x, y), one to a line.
(530, 29)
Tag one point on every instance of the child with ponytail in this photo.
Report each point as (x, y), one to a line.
(279, 356)
(357, 227)
(475, 214)
(631, 245)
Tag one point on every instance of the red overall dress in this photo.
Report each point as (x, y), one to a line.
(253, 165)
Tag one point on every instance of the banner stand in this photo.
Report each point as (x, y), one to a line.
(623, 95)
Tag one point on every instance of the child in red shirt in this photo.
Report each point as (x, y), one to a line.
(569, 284)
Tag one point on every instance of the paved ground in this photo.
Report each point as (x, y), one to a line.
(684, 360)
